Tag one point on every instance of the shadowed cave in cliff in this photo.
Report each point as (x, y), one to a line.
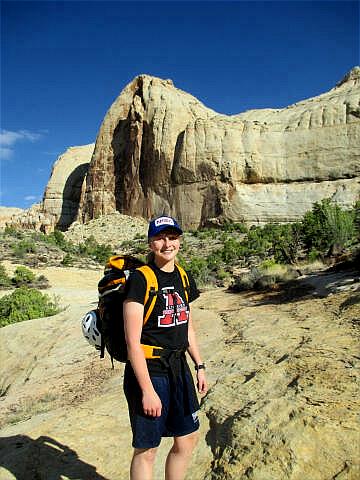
(71, 196)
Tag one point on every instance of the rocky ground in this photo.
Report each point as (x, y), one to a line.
(112, 229)
(284, 387)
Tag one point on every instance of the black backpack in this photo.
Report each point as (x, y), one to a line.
(111, 288)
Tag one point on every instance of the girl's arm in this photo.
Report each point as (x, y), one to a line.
(133, 322)
(194, 353)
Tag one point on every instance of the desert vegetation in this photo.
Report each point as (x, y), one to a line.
(232, 255)
(262, 256)
(26, 303)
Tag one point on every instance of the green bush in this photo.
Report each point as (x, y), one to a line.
(68, 260)
(222, 274)
(284, 241)
(58, 238)
(215, 260)
(5, 280)
(357, 219)
(232, 250)
(41, 282)
(23, 247)
(23, 276)
(12, 232)
(234, 227)
(327, 228)
(198, 267)
(24, 304)
(90, 248)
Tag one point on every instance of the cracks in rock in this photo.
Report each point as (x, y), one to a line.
(281, 359)
(175, 174)
(250, 376)
(294, 382)
(345, 469)
(139, 92)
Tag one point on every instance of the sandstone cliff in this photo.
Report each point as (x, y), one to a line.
(60, 204)
(62, 194)
(159, 149)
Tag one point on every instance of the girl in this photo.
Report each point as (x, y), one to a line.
(158, 385)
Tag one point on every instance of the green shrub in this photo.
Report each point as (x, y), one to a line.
(13, 232)
(327, 228)
(266, 282)
(232, 250)
(267, 264)
(198, 267)
(58, 238)
(24, 304)
(215, 260)
(234, 227)
(23, 276)
(314, 255)
(257, 242)
(102, 252)
(67, 260)
(140, 248)
(41, 282)
(357, 219)
(23, 247)
(90, 248)
(5, 280)
(222, 274)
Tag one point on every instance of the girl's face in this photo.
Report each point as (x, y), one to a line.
(165, 246)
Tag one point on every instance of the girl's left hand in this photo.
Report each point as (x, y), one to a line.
(202, 385)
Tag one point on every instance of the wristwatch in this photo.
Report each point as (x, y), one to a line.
(200, 366)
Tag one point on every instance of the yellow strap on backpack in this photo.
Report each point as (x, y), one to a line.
(151, 285)
(185, 281)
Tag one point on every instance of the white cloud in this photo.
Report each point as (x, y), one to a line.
(5, 153)
(9, 138)
(30, 198)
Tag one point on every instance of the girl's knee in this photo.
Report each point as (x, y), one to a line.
(145, 454)
(187, 443)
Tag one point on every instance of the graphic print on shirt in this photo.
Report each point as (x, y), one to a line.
(176, 312)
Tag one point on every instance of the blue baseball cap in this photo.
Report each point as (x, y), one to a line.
(161, 223)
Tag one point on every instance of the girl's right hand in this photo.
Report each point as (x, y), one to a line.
(151, 404)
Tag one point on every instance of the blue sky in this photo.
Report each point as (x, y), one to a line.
(64, 63)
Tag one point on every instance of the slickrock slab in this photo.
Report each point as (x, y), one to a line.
(283, 400)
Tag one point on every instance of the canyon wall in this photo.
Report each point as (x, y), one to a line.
(160, 149)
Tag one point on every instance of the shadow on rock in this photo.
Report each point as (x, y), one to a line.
(43, 459)
(317, 285)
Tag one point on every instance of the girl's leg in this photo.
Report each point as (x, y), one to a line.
(179, 456)
(142, 463)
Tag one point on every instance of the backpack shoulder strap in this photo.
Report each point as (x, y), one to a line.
(151, 290)
(185, 281)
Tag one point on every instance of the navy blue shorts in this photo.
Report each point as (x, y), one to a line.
(173, 422)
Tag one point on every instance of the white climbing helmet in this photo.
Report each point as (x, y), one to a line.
(90, 329)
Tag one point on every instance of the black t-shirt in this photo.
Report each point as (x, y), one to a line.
(167, 326)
